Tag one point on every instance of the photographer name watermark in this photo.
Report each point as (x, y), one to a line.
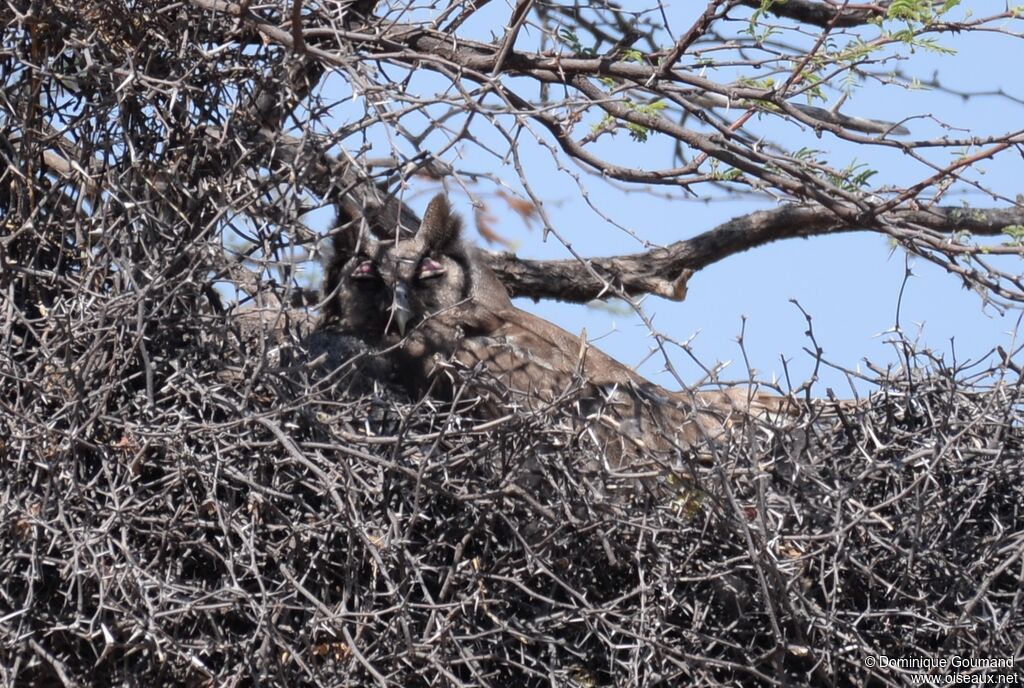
(951, 669)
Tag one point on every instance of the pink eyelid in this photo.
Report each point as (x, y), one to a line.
(429, 268)
(364, 270)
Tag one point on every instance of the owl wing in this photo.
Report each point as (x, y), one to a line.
(543, 366)
(538, 361)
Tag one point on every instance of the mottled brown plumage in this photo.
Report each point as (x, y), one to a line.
(436, 302)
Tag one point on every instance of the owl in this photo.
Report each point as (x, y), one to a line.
(431, 300)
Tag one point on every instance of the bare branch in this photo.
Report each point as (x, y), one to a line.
(664, 271)
(822, 13)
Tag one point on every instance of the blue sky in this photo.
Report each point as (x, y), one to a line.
(853, 285)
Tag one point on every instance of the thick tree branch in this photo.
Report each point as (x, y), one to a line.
(664, 271)
(821, 13)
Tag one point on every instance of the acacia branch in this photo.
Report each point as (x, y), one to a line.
(664, 271)
(618, 89)
(820, 13)
(412, 44)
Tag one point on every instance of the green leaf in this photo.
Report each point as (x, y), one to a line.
(572, 41)
(908, 10)
(1015, 232)
(637, 132)
(854, 177)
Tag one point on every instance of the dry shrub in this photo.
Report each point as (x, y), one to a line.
(201, 505)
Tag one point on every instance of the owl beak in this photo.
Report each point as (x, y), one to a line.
(401, 312)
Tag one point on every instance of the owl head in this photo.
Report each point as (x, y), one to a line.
(379, 288)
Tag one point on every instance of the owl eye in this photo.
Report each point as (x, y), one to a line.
(365, 270)
(429, 268)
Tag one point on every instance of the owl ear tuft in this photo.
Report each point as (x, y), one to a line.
(338, 247)
(440, 227)
(344, 236)
(345, 242)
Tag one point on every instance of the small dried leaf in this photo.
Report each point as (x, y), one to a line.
(484, 225)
